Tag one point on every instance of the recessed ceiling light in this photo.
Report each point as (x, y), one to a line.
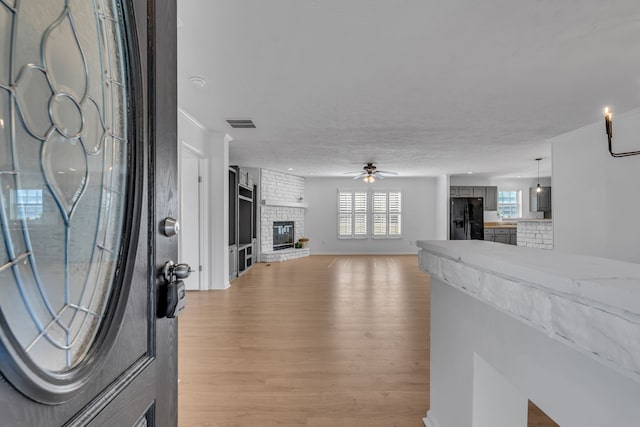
(311, 173)
(519, 176)
(290, 169)
(469, 173)
(198, 81)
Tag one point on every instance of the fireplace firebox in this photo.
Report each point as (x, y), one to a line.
(283, 235)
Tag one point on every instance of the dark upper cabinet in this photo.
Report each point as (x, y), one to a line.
(465, 192)
(540, 202)
(488, 194)
(491, 199)
(544, 200)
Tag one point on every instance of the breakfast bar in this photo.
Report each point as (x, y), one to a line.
(511, 324)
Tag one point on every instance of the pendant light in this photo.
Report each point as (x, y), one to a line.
(538, 188)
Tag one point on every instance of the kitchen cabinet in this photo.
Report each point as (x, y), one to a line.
(465, 191)
(540, 202)
(508, 236)
(513, 238)
(491, 199)
(489, 235)
(488, 194)
(456, 191)
(502, 238)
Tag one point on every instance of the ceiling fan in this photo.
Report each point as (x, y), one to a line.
(370, 172)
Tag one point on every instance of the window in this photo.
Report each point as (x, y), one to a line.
(352, 214)
(387, 214)
(510, 204)
(356, 207)
(26, 204)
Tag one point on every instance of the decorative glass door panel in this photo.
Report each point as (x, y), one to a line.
(65, 180)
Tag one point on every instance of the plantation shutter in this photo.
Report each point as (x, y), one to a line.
(352, 214)
(387, 214)
(379, 214)
(345, 214)
(360, 214)
(395, 214)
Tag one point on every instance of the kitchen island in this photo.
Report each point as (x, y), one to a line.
(509, 324)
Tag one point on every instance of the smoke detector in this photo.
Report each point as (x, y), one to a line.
(198, 81)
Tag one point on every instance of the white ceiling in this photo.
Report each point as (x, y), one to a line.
(421, 87)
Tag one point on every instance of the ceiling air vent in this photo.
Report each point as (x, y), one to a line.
(241, 124)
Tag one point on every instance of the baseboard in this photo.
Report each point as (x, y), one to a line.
(337, 253)
(226, 285)
(430, 420)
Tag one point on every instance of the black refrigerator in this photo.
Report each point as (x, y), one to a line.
(466, 218)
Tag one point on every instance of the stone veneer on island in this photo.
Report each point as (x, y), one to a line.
(535, 233)
(511, 323)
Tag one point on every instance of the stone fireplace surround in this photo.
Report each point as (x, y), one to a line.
(282, 197)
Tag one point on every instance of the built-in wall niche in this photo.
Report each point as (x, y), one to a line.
(245, 216)
(232, 207)
(242, 221)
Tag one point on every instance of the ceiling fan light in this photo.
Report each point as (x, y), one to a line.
(370, 179)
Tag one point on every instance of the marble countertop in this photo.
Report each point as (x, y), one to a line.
(590, 303)
(610, 282)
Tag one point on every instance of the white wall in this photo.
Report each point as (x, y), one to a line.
(505, 184)
(442, 207)
(571, 387)
(596, 198)
(418, 215)
(214, 148)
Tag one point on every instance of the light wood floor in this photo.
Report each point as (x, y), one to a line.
(321, 341)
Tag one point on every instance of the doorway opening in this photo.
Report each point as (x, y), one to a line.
(193, 234)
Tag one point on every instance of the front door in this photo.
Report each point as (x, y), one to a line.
(87, 175)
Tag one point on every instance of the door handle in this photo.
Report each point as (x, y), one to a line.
(173, 294)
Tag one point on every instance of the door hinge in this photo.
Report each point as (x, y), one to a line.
(199, 179)
(199, 268)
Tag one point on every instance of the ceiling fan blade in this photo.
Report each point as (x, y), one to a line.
(378, 176)
(388, 172)
(349, 173)
(360, 176)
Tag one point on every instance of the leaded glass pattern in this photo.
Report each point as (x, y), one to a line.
(63, 167)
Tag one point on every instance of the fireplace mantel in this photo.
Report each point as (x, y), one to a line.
(284, 203)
